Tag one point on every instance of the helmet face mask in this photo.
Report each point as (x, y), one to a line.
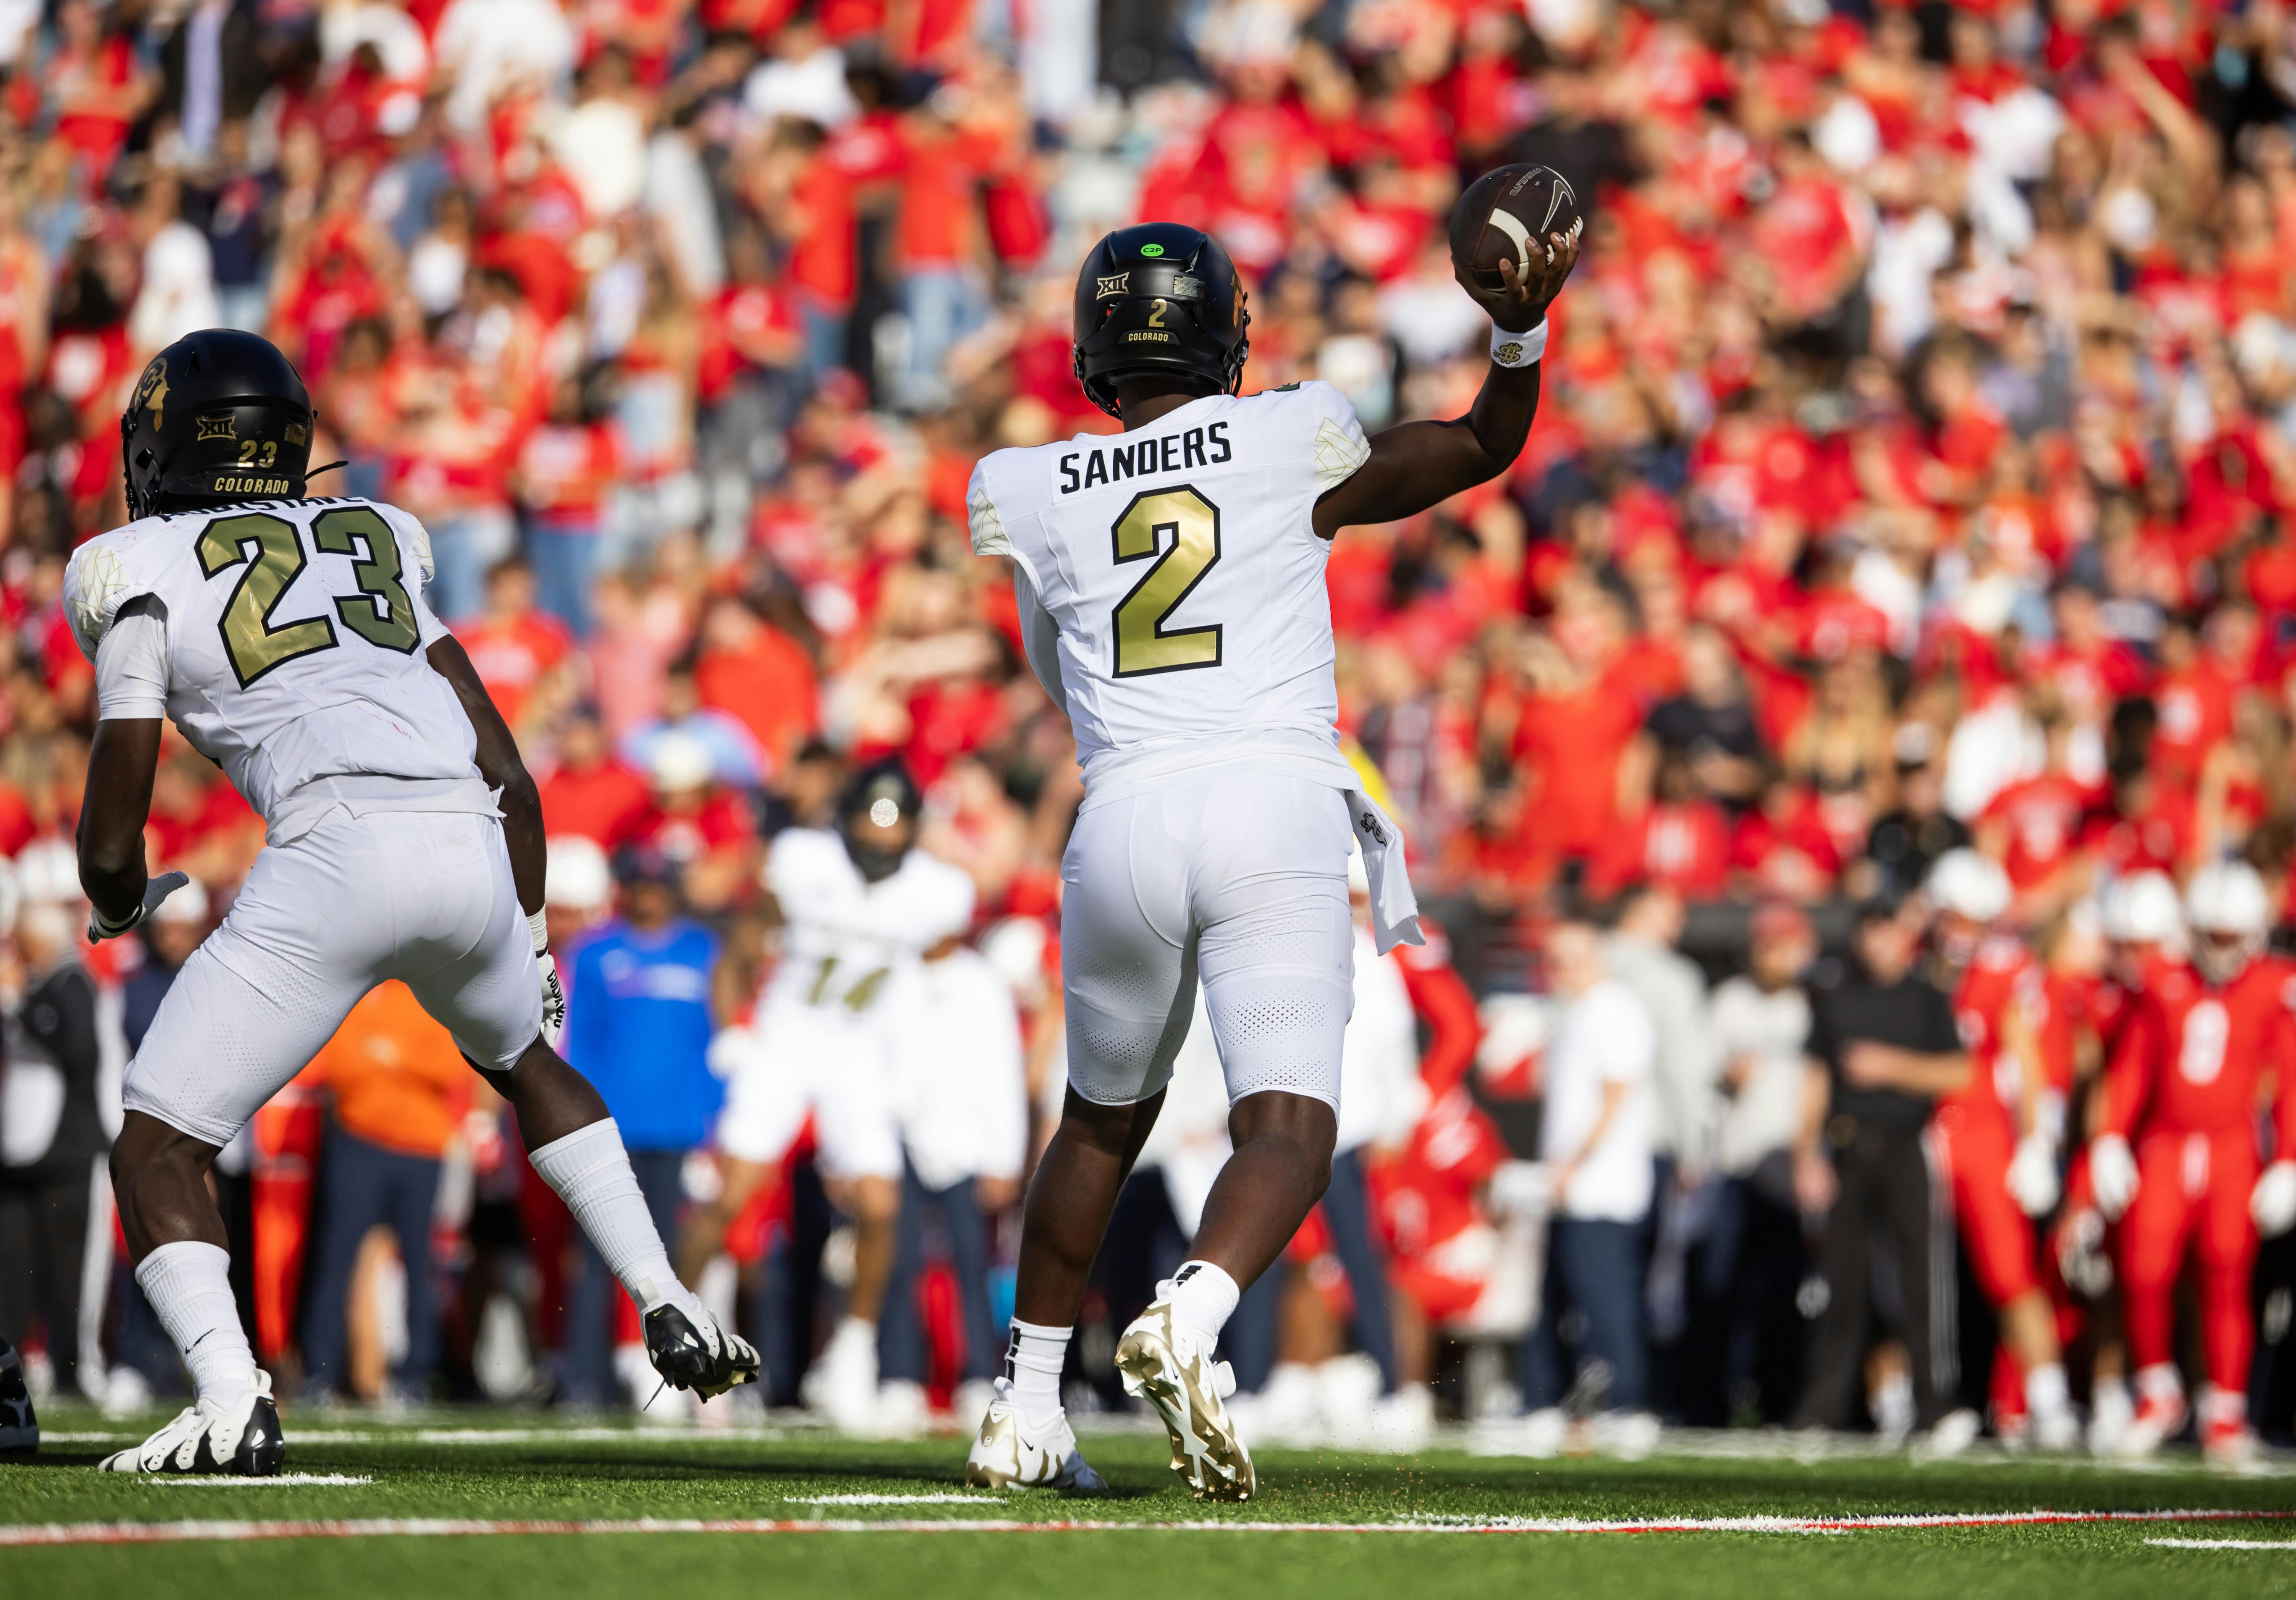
(2223, 956)
(1970, 893)
(877, 817)
(218, 416)
(1159, 300)
(2230, 918)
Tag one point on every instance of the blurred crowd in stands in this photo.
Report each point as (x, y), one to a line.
(1914, 472)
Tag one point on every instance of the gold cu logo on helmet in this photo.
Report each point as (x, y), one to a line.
(151, 393)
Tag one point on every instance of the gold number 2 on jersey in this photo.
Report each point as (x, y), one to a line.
(1143, 645)
(381, 613)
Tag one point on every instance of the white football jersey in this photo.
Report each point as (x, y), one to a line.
(847, 937)
(1181, 563)
(295, 633)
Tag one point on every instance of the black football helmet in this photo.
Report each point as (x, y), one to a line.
(1159, 298)
(218, 416)
(883, 795)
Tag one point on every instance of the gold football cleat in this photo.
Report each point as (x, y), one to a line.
(1160, 1363)
(1007, 1453)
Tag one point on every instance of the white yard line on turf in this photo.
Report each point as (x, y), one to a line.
(2224, 1543)
(463, 1436)
(134, 1533)
(280, 1481)
(987, 1499)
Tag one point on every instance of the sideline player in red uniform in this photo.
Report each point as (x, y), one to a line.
(2143, 926)
(1996, 1156)
(2176, 1154)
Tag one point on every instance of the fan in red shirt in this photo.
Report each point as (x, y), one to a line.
(2152, 826)
(756, 673)
(591, 794)
(518, 650)
(2195, 707)
(1681, 841)
(1573, 728)
(2031, 826)
(2176, 1158)
(705, 828)
(1998, 1162)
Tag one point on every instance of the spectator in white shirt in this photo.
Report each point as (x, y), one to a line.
(1640, 954)
(1594, 1139)
(1761, 1027)
(963, 1102)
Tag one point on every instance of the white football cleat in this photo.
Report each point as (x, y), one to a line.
(2161, 1413)
(240, 1437)
(1539, 1434)
(19, 1428)
(1285, 1410)
(2057, 1428)
(1403, 1424)
(1166, 1362)
(2110, 1413)
(1629, 1435)
(1009, 1454)
(1348, 1392)
(688, 1348)
(1955, 1433)
(903, 1411)
(971, 1403)
(842, 1384)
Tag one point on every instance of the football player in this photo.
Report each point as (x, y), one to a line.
(1991, 1135)
(1170, 583)
(2176, 1162)
(288, 639)
(862, 907)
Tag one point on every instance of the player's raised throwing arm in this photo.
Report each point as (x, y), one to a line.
(1414, 465)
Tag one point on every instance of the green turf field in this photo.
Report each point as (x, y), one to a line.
(493, 1468)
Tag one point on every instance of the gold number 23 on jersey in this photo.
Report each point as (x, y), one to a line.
(381, 612)
(1180, 530)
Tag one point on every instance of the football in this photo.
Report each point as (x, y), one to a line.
(1505, 214)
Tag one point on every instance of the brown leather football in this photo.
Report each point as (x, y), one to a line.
(1507, 215)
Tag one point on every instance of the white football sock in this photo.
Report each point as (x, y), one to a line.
(1204, 1294)
(2159, 1382)
(2222, 1406)
(1033, 1361)
(2046, 1390)
(189, 1285)
(590, 1171)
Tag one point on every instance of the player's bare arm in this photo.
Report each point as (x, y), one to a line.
(503, 769)
(1414, 465)
(121, 767)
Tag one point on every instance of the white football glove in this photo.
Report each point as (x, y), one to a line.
(2033, 1176)
(155, 890)
(2272, 1201)
(2112, 1173)
(553, 993)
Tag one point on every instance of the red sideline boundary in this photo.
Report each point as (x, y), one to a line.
(23, 1535)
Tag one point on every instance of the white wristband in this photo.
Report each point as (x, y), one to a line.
(1512, 350)
(537, 928)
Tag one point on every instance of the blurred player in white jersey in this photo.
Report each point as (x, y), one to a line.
(288, 639)
(1170, 583)
(861, 908)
